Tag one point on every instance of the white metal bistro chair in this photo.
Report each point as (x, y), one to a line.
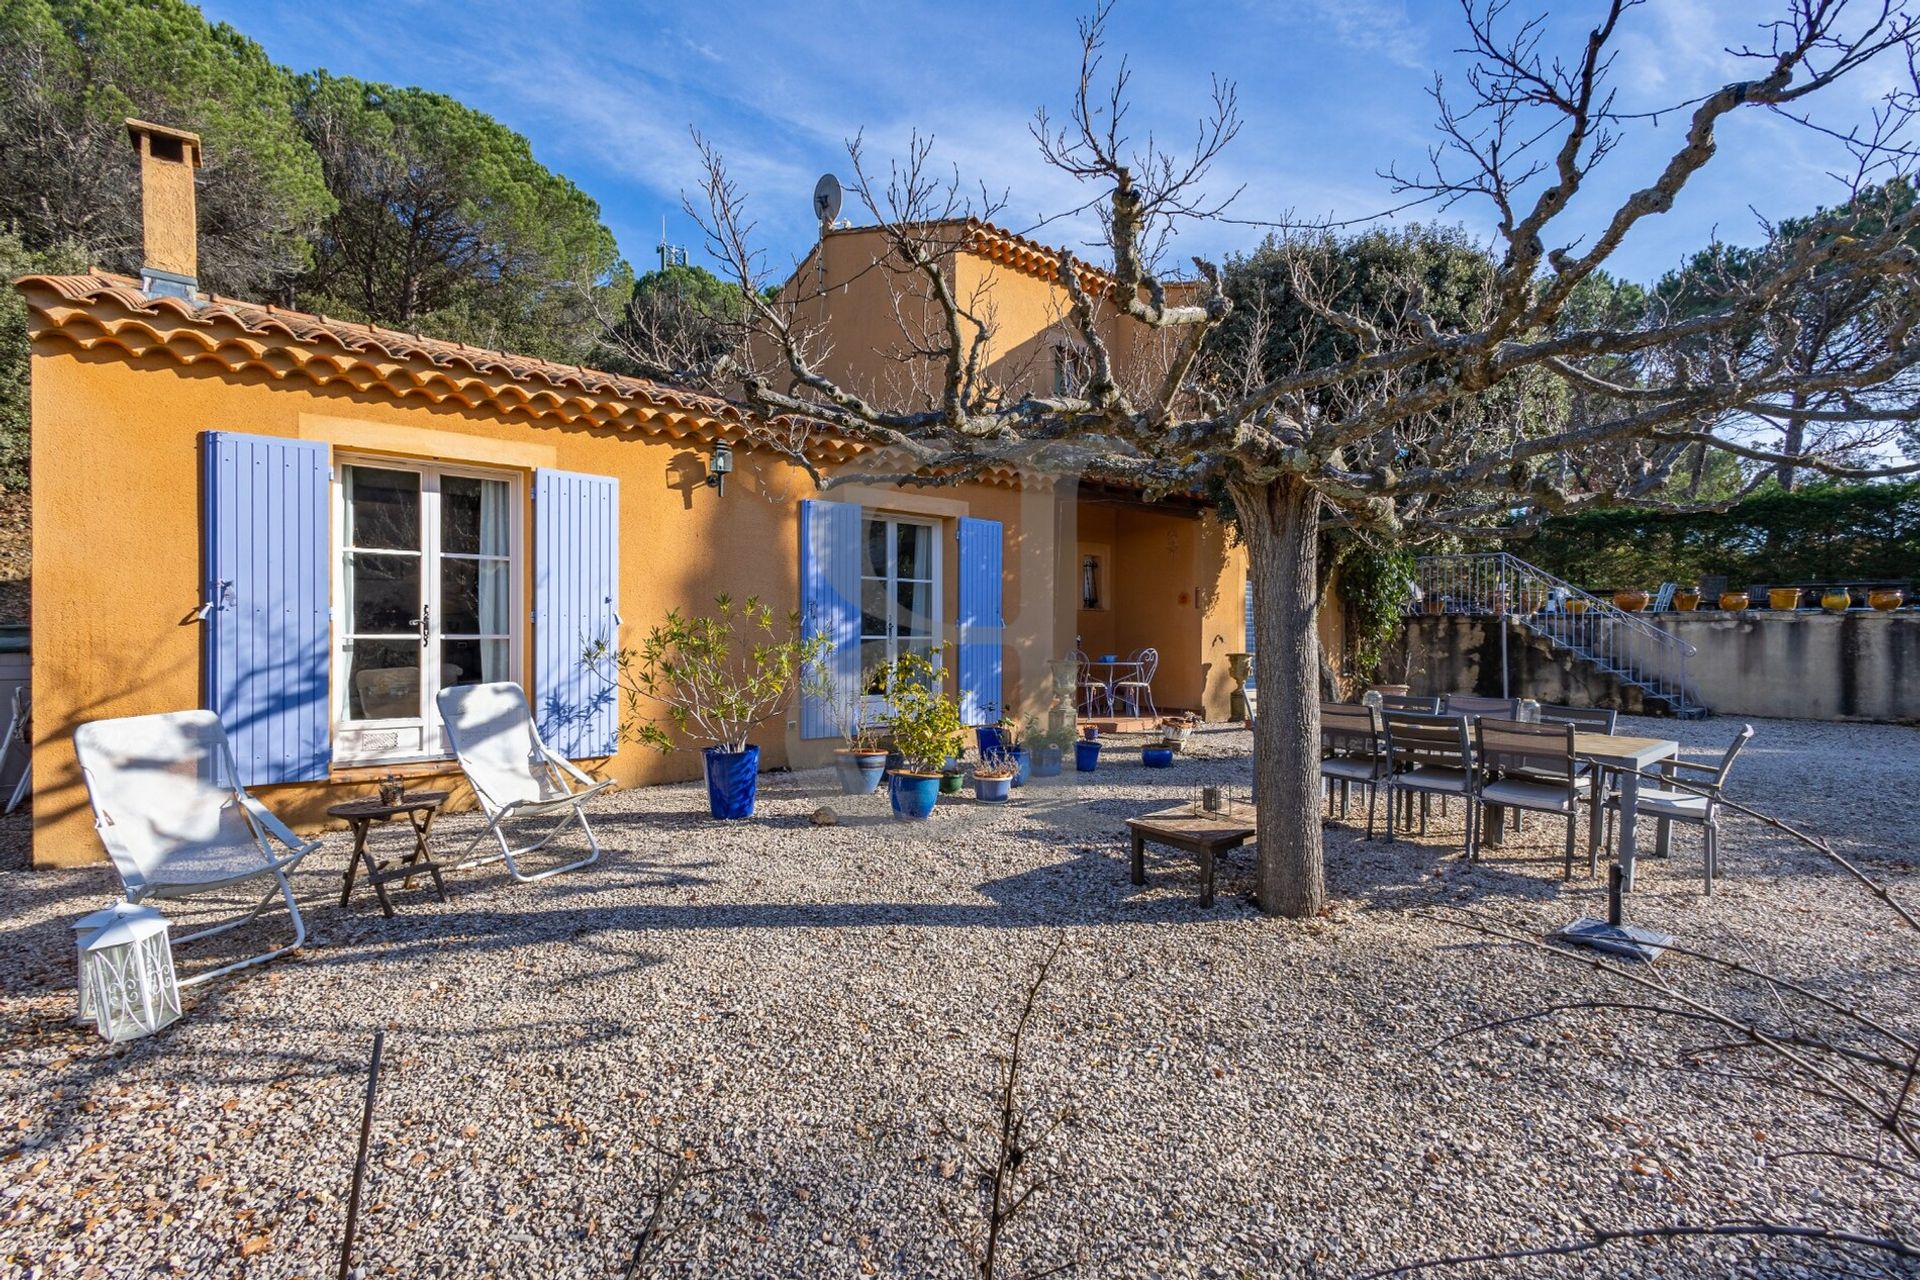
(513, 773)
(1138, 688)
(20, 734)
(1090, 693)
(1699, 804)
(176, 823)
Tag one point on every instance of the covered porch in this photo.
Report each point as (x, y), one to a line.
(1163, 577)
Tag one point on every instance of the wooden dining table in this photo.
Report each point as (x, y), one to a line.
(1626, 756)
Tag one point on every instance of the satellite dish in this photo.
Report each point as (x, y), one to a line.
(826, 199)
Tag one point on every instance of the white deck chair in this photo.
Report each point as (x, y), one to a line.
(514, 773)
(175, 823)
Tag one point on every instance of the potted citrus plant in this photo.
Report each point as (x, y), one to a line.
(711, 681)
(925, 723)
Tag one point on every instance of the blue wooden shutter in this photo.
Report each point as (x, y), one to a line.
(576, 584)
(980, 620)
(830, 602)
(269, 614)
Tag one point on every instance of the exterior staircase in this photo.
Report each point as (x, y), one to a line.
(1626, 646)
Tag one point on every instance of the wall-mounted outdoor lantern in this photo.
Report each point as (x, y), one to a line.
(721, 467)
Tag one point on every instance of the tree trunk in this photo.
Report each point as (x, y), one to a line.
(1280, 522)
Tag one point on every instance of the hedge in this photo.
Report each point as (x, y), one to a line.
(1820, 533)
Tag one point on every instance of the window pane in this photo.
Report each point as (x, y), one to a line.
(873, 607)
(874, 562)
(473, 597)
(873, 656)
(383, 592)
(383, 508)
(473, 516)
(916, 609)
(916, 551)
(383, 681)
(472, 661)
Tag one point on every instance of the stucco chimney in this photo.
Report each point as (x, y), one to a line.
(168, 158)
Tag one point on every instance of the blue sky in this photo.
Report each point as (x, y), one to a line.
(1331, 92)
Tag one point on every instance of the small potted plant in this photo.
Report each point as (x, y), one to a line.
(1014, 747)
(1086, 755)
(952, 777)
(1157, 755)
(862, 762)
(1175, 730)
(993, 778)
(925, 723)
(995, 736)
(712, 680)
(1049, 747)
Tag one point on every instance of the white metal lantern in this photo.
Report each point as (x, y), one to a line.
(84, 930)
(126, 975)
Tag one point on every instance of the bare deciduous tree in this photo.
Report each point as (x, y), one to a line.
(1424, 427)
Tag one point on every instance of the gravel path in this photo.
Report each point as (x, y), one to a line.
(811, 1019)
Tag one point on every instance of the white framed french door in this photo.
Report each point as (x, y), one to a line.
(901, 590)
(427, 593)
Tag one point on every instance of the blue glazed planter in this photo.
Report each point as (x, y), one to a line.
(860, 772)
(1157, 757)
(913, 795)
(1086, 756)
(1023, 762)
(733, 778)
(989, 738)
(992, 790)
(1046, 762)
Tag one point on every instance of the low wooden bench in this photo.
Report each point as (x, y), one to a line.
(1204, 835)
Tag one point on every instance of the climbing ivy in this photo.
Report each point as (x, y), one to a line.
(1375, 583)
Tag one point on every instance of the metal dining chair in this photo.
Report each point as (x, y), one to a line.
(1139, 687)
(1353, 749)
(1583, 719)
(1698, 803)
(1471, 705)
(1430, 755)
(1410, 702)
(1528, 766)
(1089, 694)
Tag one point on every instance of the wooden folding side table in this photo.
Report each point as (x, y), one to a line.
(419, 808)
(1205, 835)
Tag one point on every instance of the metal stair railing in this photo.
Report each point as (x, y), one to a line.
(1624, 645)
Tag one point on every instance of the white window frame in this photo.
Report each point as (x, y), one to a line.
(874, 705)
(422, 738)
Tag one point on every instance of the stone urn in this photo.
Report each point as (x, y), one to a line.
(1836, 600)
(1783, 598)
(1630, 601)
(1734, 601)
(1239, 667)
(1062, 717)
(1687, 600)
(1886, 599)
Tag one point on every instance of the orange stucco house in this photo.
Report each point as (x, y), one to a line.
(310, 526)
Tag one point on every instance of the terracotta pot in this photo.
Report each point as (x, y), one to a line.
(1397, 690)
(1631, 601)
(1886, 599)
(1686, 601)
(1434, 606)
(1577, 606)
(1733, 600)
(1783, 597)
(1836, 600)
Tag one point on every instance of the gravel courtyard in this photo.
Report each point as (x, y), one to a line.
(811, 1019)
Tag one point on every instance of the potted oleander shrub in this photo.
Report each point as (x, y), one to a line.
(709, 681)
(925, 723)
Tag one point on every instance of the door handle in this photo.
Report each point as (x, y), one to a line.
(425, 622)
